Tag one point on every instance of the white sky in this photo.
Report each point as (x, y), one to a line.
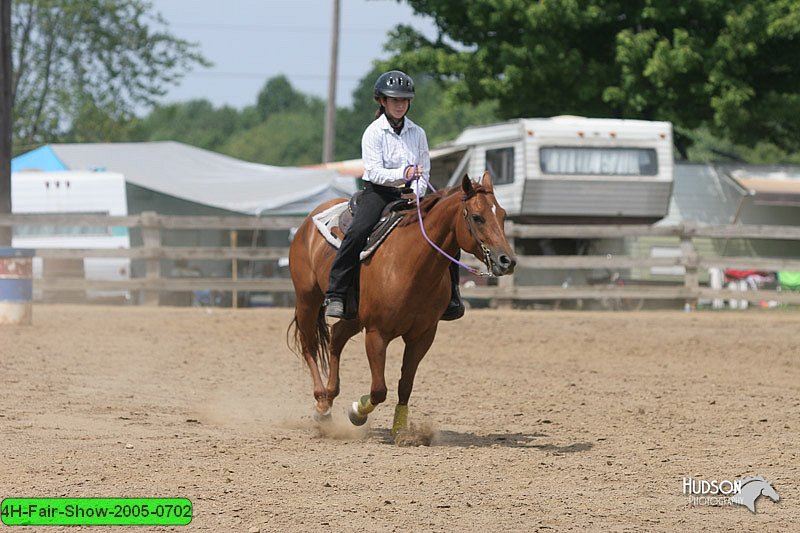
(250, 41)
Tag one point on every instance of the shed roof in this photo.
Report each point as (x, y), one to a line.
(769, 184)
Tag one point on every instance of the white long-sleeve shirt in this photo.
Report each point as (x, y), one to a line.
(385, 154)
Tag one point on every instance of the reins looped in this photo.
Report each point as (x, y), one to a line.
(485, 250)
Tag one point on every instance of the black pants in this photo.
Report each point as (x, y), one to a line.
(370, 206)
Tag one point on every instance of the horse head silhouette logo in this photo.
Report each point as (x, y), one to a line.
(752, 488)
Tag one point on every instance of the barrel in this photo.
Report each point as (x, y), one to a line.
(16, 285)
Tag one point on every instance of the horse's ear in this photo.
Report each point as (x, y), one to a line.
(486, 181)
(466, 184)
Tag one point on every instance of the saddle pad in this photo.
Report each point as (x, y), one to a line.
(329, 219)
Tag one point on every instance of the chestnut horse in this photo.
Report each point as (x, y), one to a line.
(404, 289)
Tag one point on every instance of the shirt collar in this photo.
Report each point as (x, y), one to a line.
(384, 123)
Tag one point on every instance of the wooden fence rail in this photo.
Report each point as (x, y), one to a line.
(504, 293)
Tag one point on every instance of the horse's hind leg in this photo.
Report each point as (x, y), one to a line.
(413, 354)
(307, 315)
(376, 353)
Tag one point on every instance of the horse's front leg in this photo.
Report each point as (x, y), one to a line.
(341, 332)
(376, 354)
(415, 350)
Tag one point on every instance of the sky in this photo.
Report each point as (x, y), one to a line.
(251, 41)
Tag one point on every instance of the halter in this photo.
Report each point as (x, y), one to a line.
(487, 255)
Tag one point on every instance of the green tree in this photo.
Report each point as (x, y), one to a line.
(195, 122)
(100, 57)
(92, 124)
(728, 65)
(706, 147)
(442, 117)
(278, 95)
(291, 133)
(285, 138)
(283, 127)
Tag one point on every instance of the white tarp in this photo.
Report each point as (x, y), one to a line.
(209, 178)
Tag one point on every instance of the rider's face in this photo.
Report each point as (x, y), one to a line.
(395, 107)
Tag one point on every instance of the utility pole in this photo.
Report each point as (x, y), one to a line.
(6, 118)
(330, 111)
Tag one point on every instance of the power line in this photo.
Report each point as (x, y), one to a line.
(262, 75)
(270, 27)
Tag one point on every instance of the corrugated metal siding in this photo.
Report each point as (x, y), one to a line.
(531, 157)
(596, 198)
(510, 194)
(700, 195)
(478, 163)
(493, 133)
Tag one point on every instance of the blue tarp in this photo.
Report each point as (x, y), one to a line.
(43, 158)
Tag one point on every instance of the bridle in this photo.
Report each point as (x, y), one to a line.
(486, 253)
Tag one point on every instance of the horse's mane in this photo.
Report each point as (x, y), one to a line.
(429, 201)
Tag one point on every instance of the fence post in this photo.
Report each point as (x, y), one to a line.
(234, 268)
(151, 240)
(691, 280)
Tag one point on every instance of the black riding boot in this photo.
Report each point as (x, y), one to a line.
(455, 309)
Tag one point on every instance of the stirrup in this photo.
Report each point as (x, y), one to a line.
(334, 308)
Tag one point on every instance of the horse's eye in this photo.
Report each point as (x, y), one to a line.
(476, 218)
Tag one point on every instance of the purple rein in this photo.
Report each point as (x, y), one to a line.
(424, 234)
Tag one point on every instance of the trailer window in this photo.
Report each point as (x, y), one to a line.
(598, 161)
(500, 164)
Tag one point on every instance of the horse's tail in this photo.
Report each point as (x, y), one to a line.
(316, 341)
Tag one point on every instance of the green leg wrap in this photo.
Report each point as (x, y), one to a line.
(400, 419)
(365, 406)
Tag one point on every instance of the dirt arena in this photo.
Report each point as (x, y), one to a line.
(540, 421)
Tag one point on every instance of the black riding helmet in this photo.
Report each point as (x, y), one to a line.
(394, 84)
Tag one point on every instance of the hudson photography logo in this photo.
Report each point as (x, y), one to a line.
(743, 491)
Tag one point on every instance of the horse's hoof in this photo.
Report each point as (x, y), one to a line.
(321, 418)
(355, 418)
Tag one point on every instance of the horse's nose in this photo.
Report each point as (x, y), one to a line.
(507, 263)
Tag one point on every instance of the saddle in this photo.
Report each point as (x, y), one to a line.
(334, 222)
(390, 217)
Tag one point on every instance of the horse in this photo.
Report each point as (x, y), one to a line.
(752, 488)
(404, 289)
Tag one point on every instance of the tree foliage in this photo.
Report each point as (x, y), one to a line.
(442, 117)
(77, 60)
(285, 127)
(196, 122)
(278, 95)
(730, 66)
(286, 138)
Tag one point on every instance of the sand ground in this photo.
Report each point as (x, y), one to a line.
(541, 421)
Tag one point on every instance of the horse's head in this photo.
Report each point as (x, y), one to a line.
(768, 491)
(481, 229)
(752, 488)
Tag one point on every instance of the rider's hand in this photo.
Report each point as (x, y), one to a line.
(413, 172)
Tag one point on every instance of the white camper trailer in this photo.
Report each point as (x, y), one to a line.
(568, 169)
(74, 192)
